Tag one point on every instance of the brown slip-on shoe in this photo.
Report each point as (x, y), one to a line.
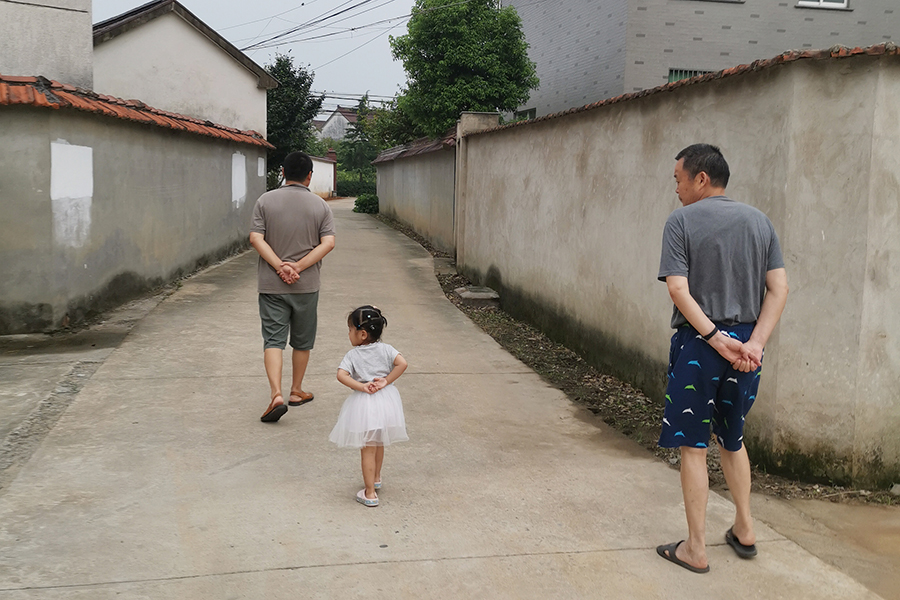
(274, 412)
(304, 398)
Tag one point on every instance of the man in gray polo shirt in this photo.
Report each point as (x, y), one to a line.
(722, 265)
(292, 230)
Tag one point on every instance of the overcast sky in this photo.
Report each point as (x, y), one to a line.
(345, 62)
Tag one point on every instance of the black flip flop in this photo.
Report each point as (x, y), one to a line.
(667, 551)
(272, 415)
(739, 549)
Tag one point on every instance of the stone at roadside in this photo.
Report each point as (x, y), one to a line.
(444, 266)
(896, 489)
(477, 296)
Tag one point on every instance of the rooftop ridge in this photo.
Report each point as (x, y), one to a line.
(43, 92)
(418, 146)
(835, 52)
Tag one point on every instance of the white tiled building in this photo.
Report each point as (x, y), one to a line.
(588, 50)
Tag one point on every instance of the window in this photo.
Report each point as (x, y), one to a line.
(524, 115)
(679, 74)
(824, 3)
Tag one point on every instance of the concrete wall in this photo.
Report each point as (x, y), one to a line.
(322, 182)
(47, 37)
(97, 210)
(418, 191)
(572, 242)
(188, 74)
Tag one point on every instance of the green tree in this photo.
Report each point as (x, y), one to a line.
(462, 56)
(320, 147)
(390, 126)
(356, 151)
(290, 110)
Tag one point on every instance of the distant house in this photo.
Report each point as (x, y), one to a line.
(324, 179)
(590, 50)
(164, 55)
(336, 126)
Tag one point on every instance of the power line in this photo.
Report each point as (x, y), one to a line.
(302, 5)
(270, 21)
(357, 48)
(299, 26)
(336, 94)
(268, 42)
(262, 45)
(316, 21)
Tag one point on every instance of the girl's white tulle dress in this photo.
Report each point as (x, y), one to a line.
(370, 419)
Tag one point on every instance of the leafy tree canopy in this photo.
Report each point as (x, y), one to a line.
(467, 56)
(390, 126)
(290, 110)
(356, 151)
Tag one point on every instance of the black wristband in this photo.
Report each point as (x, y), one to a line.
(709, 335)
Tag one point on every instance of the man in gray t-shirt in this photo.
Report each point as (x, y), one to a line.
(292, 229)
(722, 264)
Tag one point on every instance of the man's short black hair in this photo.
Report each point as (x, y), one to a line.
(297, 165)
(706, 159)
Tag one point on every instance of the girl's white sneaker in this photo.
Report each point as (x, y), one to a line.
(370, 502)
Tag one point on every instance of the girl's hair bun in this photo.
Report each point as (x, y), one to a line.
(369, 319)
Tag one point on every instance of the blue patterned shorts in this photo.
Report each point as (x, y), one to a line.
(704, 392)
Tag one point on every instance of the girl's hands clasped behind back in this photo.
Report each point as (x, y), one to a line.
(379, 383)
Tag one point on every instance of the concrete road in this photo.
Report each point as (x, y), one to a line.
(159, 481)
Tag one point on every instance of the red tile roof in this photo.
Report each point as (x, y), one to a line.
(417, 147)
(888, 49)
(39, 91)
(347, 113)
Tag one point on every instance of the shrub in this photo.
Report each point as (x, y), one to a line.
(273, 179)
(349, 184)
(366, 203)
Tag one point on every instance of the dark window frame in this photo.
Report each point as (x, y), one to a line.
(824, 4)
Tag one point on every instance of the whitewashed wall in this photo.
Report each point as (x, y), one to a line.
(335, 127)
(188, 74)
(322, 182)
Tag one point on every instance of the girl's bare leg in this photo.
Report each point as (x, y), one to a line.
(367, 456)
(379, 459)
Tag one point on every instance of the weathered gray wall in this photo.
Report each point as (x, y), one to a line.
(419, 191)
(52, 38)
(163, 203)
(565, 217)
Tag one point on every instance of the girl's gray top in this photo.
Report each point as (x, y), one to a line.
(366, 362)
(725, 249)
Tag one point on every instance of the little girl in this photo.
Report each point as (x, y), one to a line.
(372, 416)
